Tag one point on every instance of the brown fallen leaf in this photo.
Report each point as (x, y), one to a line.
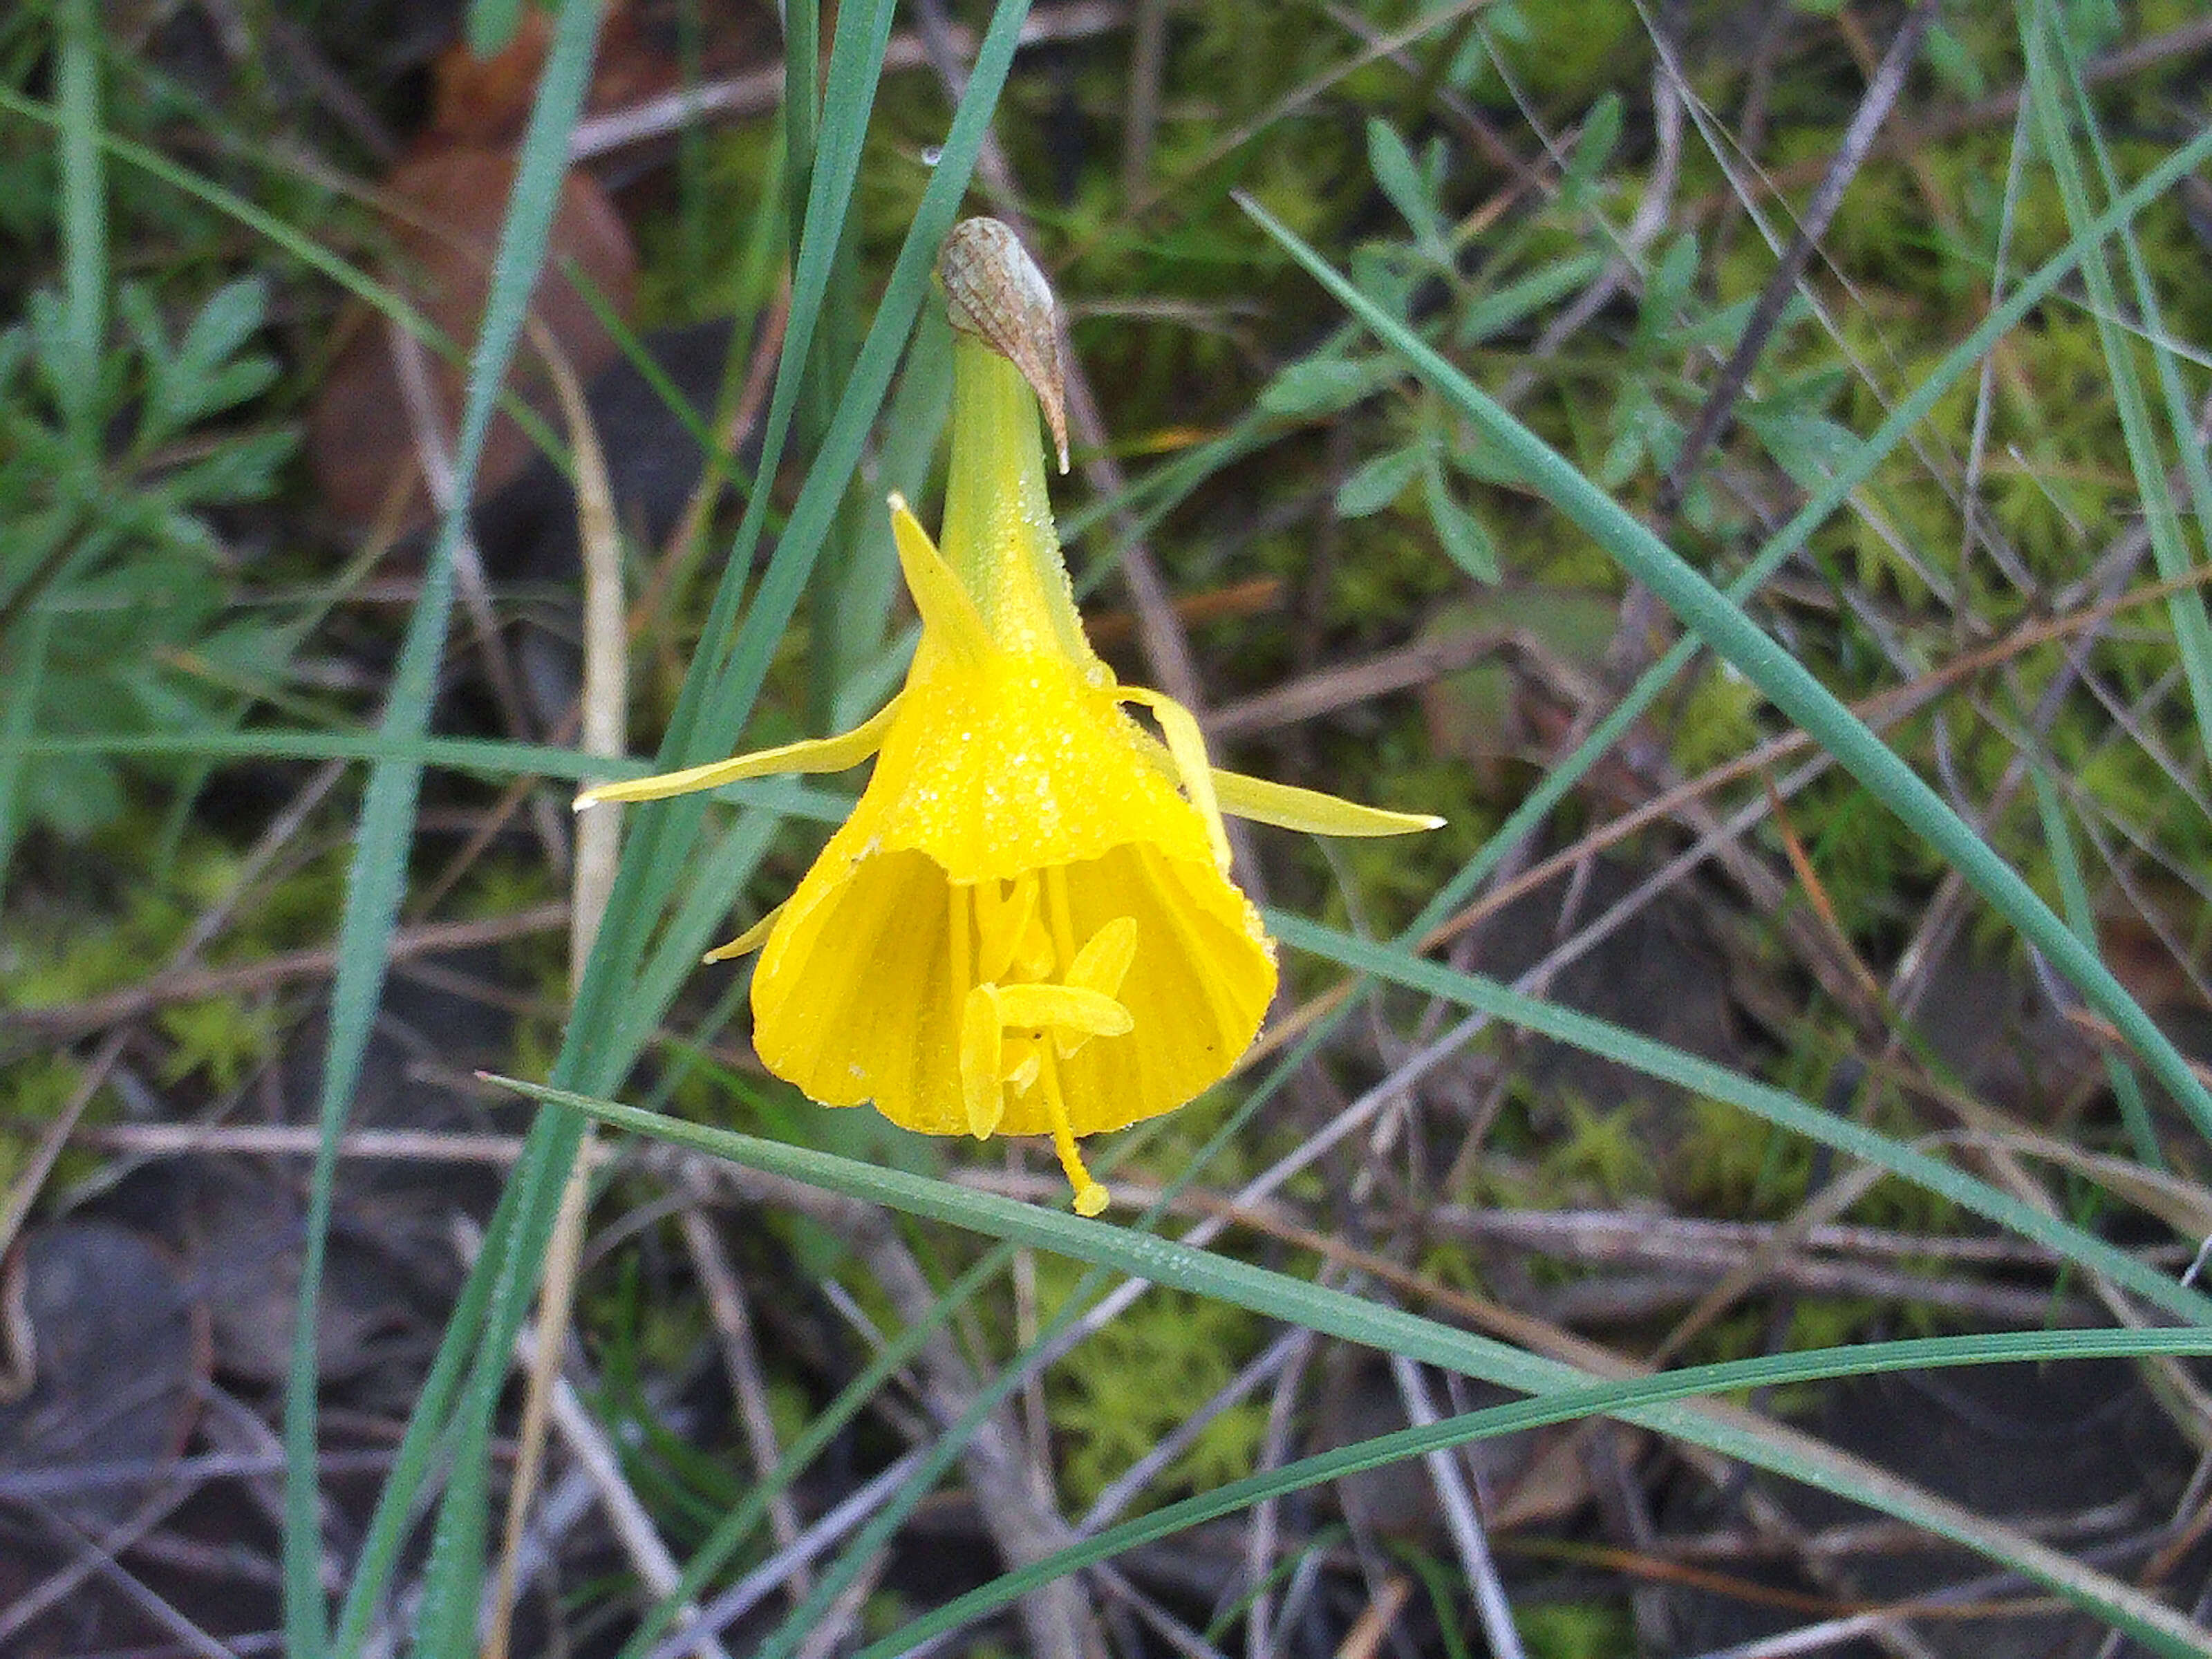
(484, 102)
(444, 209)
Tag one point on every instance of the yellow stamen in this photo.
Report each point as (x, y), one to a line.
(1060, 916)
(1061, 1008)
(981, 1025)
(1104, 963)
(1033, 958)
(983, 1092)
(1100, 966)
(1002, 923)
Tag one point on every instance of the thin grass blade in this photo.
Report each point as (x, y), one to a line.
(84, 215)
(2048, 84)
(378, 871)
(1722, 625)
(1603, 1399)
(1392, 1330)
(1703, 1077)
(1911, 409)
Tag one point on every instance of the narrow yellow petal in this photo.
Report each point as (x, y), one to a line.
(1187, 744)
(837, 754)
(747, 942)
(1289, 808)
(948, 613)
(981, 1030)
(1061, 1008)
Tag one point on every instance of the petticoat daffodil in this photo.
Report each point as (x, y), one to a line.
(1027, 926)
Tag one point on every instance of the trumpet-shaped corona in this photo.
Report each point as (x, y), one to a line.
(1027, 925)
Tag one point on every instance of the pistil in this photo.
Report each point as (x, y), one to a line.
(1090, 1196)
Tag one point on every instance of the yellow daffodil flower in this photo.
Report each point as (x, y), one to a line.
(1027, 926)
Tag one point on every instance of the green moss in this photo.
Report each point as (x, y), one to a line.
(1141, 1377)
(33, 1091)
(1604, 1151)
(217, 1038)
(1575, 1630)
(1716, 721)
(1729, 1164)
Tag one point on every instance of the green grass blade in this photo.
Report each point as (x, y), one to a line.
(27, 684)
(855, 70)
(419, 1447)
(908, 284)
(1602, 1399)
(1775, 1106)
(2074, 894)
(377, 874)
(1339, 1314)
(84, 217)
(2192, 630)
(867, 673)
(1722, 625)
(1911, 410)
(446, 1622)
(662, 837)
(731, 1534)
(454, 1575)
(704, 720)
(484, 758)
(829, 362)
(802, 107)
(75, 384)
